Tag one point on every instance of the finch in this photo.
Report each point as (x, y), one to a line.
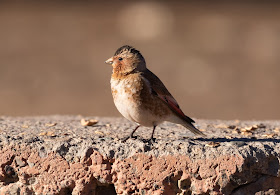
(139, 94)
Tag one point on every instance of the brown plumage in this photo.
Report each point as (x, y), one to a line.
(140, 96)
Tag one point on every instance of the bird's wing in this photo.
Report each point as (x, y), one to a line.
(161, 92)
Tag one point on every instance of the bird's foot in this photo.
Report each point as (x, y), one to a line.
(150, 141)
(128, 137)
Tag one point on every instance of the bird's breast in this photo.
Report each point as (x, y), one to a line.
(126, 89)
(126, 95)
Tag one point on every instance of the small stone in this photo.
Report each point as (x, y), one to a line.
(238, 143)
(99, 133)
(42, 133)
(232, 127)
(50, 133)
(276, 130)
(19, 162)
(261, 125)
(246, 133)
(269, 135)
(50, 124)
(235, 132)
(213, 144)
(90, 122)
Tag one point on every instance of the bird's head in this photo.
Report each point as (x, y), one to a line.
(126, 60)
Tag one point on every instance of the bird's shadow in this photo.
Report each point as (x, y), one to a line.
(238, 140)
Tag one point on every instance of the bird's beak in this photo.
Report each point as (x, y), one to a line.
(109, 61)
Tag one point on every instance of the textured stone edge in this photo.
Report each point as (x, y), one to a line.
(24, 171)
(38, 157)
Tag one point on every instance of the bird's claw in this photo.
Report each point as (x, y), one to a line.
(128, 137)
(150, 141)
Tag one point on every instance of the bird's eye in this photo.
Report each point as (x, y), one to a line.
(120, 58)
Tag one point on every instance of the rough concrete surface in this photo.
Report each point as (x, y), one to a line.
(57, 155)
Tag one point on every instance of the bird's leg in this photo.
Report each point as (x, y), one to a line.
(152, 139)
(131, 135)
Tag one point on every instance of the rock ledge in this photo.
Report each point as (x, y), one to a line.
(57, 155)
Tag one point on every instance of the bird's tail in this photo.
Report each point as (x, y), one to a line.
(188, 124)
(192, 128)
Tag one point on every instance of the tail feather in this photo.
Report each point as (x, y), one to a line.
(185, 123)
(193, 129)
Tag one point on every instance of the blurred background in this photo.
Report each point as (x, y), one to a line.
(220, 60)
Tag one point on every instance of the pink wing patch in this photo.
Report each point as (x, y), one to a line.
(171, 102)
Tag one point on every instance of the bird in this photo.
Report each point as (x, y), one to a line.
(140, 96)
